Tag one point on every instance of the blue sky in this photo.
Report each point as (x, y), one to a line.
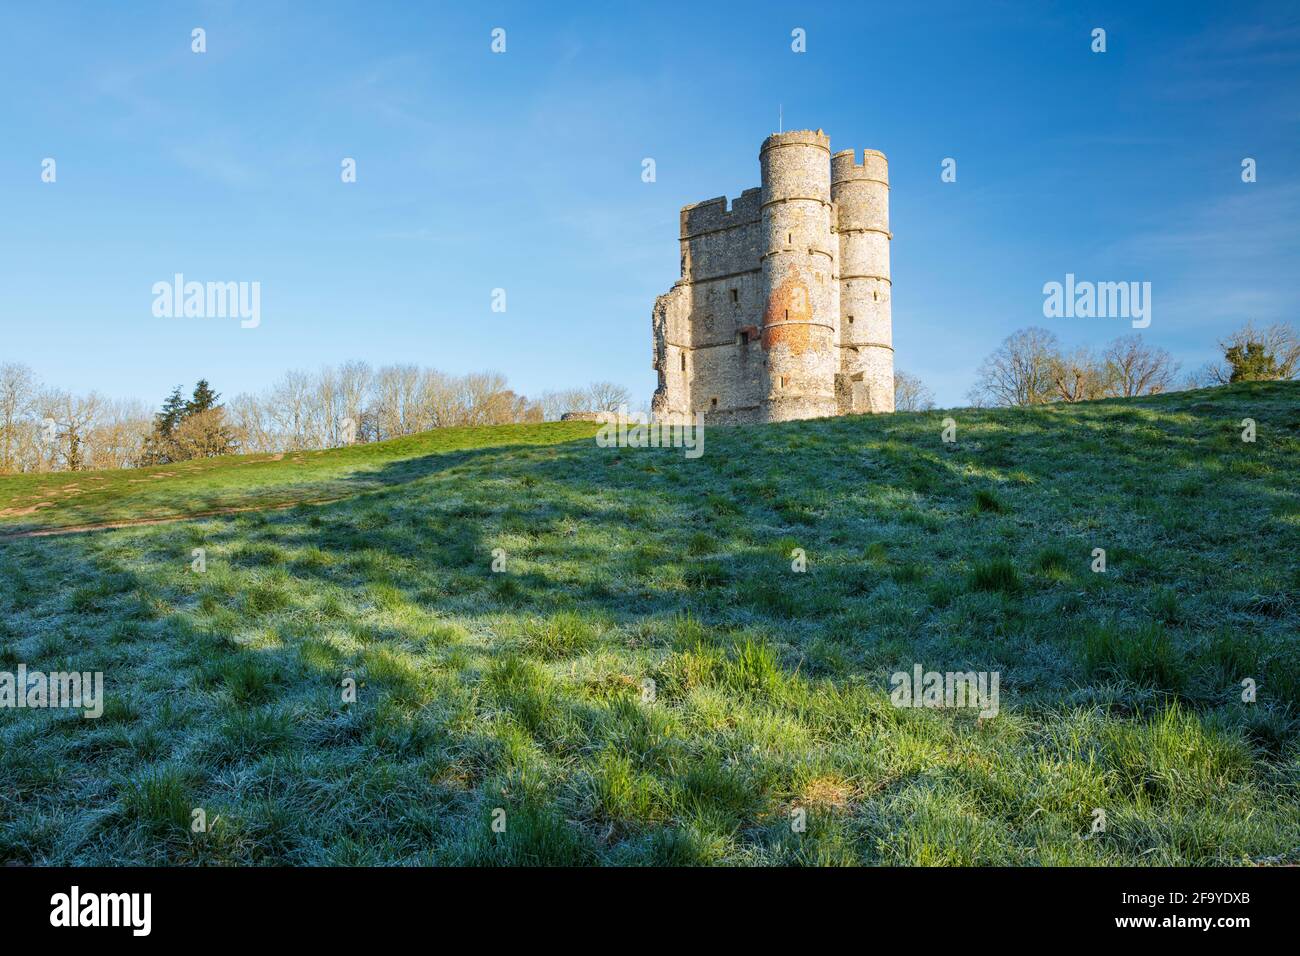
(522, 171)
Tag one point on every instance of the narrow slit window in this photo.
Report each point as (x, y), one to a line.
(850, 320)
(683, 361)
(715, 403)
(735, 295)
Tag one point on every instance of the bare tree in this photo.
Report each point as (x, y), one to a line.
(910, 393)
(39, 442)
(1019, 372)
(1205, 376)
(396, 403)
(607, 397)
(506, 407)
(325, 409)
(1135, 368)
(17, 393)
(288, 408)
(74, 417)
(354, 380)
(556, 404)
(117, 439)
(250, 421)
(440, 399)
(481, 394)
(1079, 377)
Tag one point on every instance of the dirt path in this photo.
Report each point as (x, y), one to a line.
(170, 519)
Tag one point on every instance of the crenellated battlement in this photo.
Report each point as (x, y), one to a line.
(797, 137)
(712, 215)
(873, 168)
(783, 310)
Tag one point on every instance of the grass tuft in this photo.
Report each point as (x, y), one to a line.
(996, 575)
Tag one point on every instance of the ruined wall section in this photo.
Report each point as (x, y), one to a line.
(670, 323)
(860, 192)
(708, 354)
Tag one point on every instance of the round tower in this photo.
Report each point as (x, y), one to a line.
(801, 297)
(860, 193)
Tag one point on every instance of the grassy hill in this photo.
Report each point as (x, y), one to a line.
(529, 690)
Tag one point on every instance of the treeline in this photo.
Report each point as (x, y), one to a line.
(355, 403)
(1031, 368)
(46, 429)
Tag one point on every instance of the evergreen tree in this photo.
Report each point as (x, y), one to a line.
(204, 399)
(173, 411)
(1252, 363)
(163, 446)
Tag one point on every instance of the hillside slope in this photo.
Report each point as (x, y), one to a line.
(243, 482)
(647, 679)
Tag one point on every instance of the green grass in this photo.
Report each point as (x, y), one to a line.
(648, 681)
(68, 499)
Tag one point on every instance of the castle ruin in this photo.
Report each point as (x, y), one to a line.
(782, 309)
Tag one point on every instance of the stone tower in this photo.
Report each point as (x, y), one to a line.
(860, 194)
(801, 298)
(782, 310)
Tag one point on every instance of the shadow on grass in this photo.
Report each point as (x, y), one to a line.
(610, 553)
